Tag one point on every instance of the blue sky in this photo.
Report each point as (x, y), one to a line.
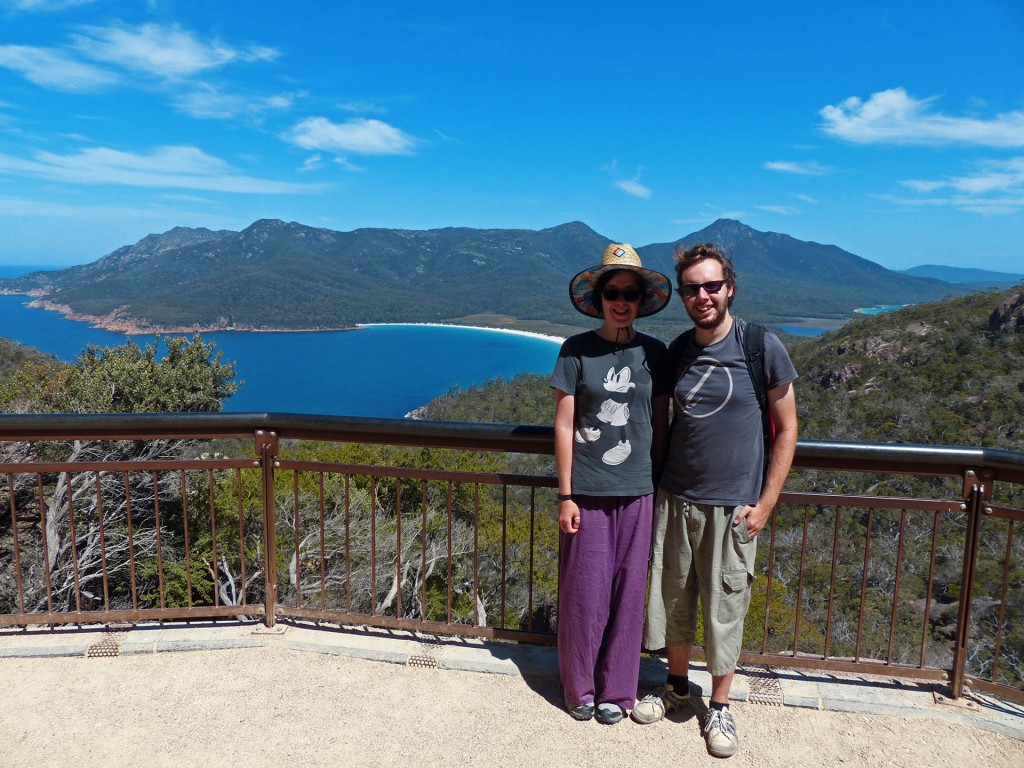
(894, 130)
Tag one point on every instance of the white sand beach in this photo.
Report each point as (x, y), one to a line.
(531, 334)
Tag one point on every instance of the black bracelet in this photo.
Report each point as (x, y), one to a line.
(565, 497)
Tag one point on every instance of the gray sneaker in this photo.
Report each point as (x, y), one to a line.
(653, 707)
(720, 733)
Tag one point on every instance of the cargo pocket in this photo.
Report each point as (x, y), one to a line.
(735, 595)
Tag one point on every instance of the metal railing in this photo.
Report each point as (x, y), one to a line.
(893, 559)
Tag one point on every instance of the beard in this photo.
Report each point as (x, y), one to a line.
(712, 321)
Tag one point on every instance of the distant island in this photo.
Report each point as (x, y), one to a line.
(287, 276)
(980, 278)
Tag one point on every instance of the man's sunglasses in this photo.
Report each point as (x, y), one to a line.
(690, 290)
(613, 294)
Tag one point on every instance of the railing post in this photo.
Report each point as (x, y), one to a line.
(266, 449)
(975, 491)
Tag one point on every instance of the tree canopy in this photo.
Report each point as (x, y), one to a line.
(189, 376)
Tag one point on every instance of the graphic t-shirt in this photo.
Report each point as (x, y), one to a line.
(716, 450)
(612, 385)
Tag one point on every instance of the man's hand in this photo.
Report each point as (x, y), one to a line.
(756, 517)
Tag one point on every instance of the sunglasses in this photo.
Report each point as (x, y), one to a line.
(613, 294)
(691, 290)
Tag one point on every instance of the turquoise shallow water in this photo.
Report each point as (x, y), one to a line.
(382, 371)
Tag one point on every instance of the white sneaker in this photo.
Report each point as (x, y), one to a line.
(653, 707)
(720, 733)
(615, 456)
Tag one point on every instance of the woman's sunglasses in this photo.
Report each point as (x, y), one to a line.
(613, 294)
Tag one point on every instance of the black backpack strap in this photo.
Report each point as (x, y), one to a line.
(753, 350)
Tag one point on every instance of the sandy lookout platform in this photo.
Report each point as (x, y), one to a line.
(237, 694)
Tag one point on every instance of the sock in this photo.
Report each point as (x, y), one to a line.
(717, 706)
(680, 685)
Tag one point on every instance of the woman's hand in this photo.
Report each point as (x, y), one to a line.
(568, 516)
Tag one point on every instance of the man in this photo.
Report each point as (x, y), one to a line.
(715, 494)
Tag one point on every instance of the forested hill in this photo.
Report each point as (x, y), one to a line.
(942, 373)
(946, 373)
(286, 275)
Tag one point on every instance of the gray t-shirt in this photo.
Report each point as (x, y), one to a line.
(613, 386)
(716, 451)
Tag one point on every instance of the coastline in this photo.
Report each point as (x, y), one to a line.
(118, 322)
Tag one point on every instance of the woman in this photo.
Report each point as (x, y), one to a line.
(611, 412)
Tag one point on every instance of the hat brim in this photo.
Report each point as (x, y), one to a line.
(657, 290)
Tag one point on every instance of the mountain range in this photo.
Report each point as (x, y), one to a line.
(275, 274)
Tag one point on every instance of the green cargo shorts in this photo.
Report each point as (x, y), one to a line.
(698, 553)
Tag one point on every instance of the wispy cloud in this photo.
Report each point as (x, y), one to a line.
(631, 187)
(782, 210)
(165, 51)
(359, 136)
(210, 101)
(806, 199)
(997, 188)
(810, 168)
(634, 188)
(362, 107)
(894, 117)
(43, 6)
(55, 69)
(98, 57)
(180, 167)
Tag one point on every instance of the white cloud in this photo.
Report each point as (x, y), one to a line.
(782, 210)
(996, 188)
(806, 199)
(634, 188)
(54, 69)
(180, 167)
(209, 101)
(923, 186)
(102, 56)
(362, 107)
(348, 165)
(44, 5)
(359, 136)
(166, 51)
(894, 117)
(802, 169)
(631, 187)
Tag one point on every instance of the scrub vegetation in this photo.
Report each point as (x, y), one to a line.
(946, 373)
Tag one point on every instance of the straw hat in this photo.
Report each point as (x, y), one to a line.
(657, 287)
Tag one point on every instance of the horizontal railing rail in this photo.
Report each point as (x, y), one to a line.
(902, 559)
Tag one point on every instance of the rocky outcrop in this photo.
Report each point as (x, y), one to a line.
(1008, 317)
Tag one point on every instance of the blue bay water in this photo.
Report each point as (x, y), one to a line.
(801, 330)
(382, 371)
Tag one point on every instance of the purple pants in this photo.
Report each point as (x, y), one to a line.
(602, 585)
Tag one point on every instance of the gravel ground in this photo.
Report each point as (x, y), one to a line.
(273, 707)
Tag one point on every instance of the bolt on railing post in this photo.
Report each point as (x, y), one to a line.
(974, 495)
(266, 449)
